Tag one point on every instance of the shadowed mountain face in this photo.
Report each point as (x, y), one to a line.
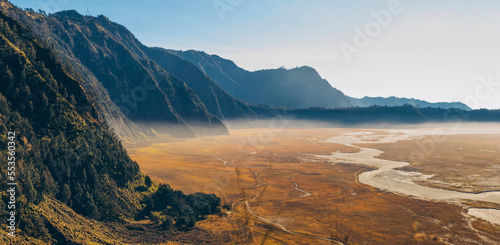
(63, 149)
(295, 88)
(131, 88)
(216, 99)
(395, 101)
(65, 161)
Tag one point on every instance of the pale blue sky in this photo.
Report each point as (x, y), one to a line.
(430, 49)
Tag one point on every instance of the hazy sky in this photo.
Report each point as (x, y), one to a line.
(437, 50)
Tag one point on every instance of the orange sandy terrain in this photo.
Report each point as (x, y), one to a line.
(280, 193)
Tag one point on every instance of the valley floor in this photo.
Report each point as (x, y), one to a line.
(281, 189)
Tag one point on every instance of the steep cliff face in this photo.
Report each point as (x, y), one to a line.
(74, 181)
(63, 149)
(215, 98)
(135, 95)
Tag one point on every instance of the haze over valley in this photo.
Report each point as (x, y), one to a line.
(112, 138)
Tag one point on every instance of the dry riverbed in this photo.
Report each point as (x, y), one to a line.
(386, 176)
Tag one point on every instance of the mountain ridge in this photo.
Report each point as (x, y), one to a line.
(217, 100)
(135, 95)
(74, 181)
(231, 77)
(300, 87)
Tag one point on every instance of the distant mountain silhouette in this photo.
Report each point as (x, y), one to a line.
(372, 115)
(395, 101)
(180, 93)
(301, 87)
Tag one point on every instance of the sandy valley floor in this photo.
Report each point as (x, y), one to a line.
(303, 186)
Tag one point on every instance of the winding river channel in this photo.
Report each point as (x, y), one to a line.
(386, 177)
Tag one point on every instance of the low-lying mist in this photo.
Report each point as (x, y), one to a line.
(169, 131)
(284, 123)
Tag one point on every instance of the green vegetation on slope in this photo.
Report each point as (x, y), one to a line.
(65, 155)
(64, 150)
(166, 205)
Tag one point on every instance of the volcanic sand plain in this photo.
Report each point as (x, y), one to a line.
(278, 190)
